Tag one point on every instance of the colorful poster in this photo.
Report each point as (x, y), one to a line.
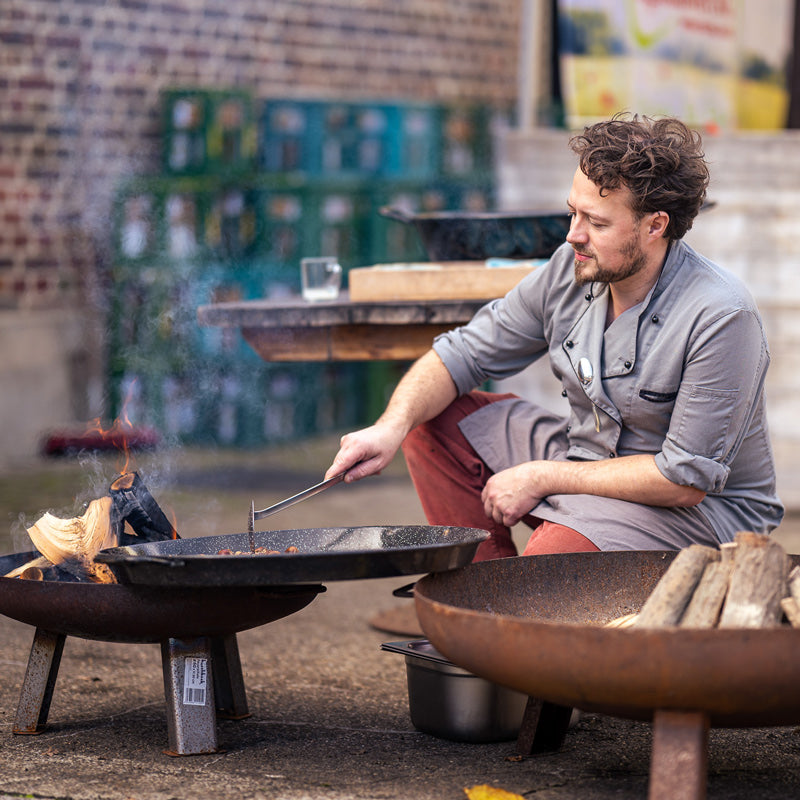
(719, 65)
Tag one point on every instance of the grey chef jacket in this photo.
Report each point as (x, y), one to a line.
(679, 376)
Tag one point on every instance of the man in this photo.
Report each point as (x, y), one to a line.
(660, 353)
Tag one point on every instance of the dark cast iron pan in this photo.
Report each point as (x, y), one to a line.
(323, 554)
(479, 235)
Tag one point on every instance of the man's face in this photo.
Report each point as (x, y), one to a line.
(604, 233)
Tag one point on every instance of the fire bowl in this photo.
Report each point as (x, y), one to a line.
(121, 613)
(536, 625)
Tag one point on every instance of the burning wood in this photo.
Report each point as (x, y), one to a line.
(133, 503)
(68, 546)
(746, 584)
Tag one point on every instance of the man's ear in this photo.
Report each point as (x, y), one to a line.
(658, 224)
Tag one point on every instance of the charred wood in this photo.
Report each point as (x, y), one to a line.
(133, 503)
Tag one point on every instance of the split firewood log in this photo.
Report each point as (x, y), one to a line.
(757, 584)
(791, 608)
(133, 504)
(706, 603)
(668, 600)
(71, 544)
(79, 537)
(68, 546)
(39, 564)
(625, 621)
(793, 584)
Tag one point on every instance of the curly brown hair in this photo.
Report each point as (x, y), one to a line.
(660, 161)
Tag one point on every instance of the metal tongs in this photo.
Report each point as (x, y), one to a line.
(289, 501)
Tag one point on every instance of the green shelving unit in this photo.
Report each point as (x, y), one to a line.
(247, 189)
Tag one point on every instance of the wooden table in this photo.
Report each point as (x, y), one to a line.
(339, 330)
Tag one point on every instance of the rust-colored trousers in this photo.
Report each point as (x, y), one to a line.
(449, 477)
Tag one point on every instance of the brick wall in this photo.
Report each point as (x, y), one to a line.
(79, 111)
(80, 83)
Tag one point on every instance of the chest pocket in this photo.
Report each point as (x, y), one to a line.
(648, 416)
(657, 397)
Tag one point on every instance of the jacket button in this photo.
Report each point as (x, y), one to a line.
(568, 429)
(589, 297)
(654, 319)
(563, 392)
(612, 455)
(569, 343)
(627, 365)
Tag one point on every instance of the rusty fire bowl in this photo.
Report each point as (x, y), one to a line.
(535, 624)
(119, 613)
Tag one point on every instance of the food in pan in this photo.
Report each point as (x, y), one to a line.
(259, 551)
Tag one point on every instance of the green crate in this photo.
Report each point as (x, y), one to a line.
(284, 224)
(230, 220)
(208, 132)
(338, 222)
(325, 139)
(466, 145)
(231, 138)
(185, 119)
(415, 143)
(392, 241)
(137, 217)
(460, 194)
(289, 136)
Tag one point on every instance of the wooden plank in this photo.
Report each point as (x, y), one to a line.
(294, 312)
(466, 281)
(289, 344)
(343, 342)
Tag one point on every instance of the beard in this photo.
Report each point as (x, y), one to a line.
(633, 262)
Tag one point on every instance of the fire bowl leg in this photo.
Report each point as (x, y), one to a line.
(679, 761)
(39, 682)
(544, 727)
(189, 690)
(231, 698)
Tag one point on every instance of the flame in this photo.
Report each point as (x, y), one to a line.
(121, 434)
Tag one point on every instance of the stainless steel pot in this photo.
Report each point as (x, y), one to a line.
(446, 701)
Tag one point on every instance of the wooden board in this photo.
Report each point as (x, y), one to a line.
(405, 342)
(467, 280)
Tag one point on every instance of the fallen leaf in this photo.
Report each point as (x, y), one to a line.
(484, 792)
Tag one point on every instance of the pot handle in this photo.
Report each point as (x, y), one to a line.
(405, 591)
(392, 212)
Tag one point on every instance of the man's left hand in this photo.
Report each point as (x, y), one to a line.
(509, 495)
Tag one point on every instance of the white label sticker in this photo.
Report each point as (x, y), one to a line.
(195, 678)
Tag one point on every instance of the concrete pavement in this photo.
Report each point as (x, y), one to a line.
(329, 708)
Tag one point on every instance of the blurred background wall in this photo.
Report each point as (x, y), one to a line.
(82, 112)
(155, 156)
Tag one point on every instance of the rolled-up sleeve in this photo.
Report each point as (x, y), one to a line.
(719, 394)
(506, 335)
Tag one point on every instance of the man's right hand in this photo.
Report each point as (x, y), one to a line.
(366, 452)
(423, 392)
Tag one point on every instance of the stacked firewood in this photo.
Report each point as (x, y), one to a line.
(748, 583)
(67, 547)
